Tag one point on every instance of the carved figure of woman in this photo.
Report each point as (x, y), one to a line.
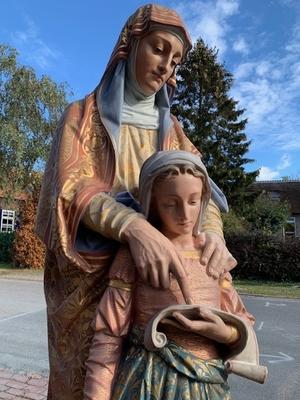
(96, 156)
(174, 191)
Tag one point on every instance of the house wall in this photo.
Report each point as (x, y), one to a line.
(297, 216)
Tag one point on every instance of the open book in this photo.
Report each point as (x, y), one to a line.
(241, 358)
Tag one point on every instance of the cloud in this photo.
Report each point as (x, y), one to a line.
(267, 85)
(209, 20)
(244, 70)
(32, 47)
(267, 174)
(291, 3)
(269, 89)
(285, 162)
(240, 46)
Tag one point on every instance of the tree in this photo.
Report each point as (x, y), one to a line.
(30, 108)
(213, 122)
(266, 215)
(28, 249)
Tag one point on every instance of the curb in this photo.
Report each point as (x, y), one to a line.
(27, 275)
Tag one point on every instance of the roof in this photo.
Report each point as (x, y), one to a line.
(279, 181)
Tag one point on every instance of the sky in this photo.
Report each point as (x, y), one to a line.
(258, 42)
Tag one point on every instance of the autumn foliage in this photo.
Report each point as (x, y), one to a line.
(28, 250)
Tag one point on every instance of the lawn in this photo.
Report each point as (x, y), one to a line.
(272, 289)
(5, 266)
(7, 270)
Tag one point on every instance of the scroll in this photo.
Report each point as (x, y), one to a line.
(241, 358)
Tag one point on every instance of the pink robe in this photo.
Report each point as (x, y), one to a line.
(129, 302)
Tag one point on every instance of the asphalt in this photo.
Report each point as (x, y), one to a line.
(17, 385)
(278, 333)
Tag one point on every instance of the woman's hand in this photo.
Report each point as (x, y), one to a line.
(215, 255)
(208, 325)
(155, 256)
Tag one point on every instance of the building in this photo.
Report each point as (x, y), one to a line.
(9, 210)
(285, 190)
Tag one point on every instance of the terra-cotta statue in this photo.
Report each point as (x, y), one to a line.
(97, 151)
(174, 192)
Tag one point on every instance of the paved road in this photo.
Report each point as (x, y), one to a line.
(23, 339)
(278, 333)
(23, 343)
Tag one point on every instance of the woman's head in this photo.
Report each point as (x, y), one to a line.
(176, 200)
(158, 53)
(142, 27)
(174, 191)
(120, 95)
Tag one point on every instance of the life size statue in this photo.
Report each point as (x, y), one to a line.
(96, 156)
(125, 362)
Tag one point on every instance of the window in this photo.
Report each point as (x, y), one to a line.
(274, 195)
(290, 227)
(7, 221)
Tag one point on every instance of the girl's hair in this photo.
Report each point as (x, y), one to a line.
(177, 170)
(172, 170)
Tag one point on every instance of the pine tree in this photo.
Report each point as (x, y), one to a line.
(213, 122)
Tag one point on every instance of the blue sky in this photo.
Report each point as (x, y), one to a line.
(258, 40)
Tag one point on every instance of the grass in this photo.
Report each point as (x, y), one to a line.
(6, 266)
(7, 270)
(273, 289)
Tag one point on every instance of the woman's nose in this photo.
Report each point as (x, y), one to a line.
(183, 212)
(165, 65)
(162, 68)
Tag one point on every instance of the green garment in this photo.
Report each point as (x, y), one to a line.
(172, 373)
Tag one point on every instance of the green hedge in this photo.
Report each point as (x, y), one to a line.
(6, 243)
(265, 257)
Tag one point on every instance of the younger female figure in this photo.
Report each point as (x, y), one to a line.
(174, 192)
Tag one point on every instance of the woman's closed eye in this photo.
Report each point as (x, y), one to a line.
(158, 48)
(170, 205)
(194, 202)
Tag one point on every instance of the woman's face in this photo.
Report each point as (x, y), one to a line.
(158, 54)
(177, 200)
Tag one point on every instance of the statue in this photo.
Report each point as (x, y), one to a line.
(124, 361)
(96, 156)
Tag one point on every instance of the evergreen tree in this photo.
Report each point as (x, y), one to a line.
(213, 122)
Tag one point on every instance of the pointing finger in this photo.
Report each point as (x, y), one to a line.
(180, 274)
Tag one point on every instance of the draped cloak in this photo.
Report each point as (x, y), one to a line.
(81, 165)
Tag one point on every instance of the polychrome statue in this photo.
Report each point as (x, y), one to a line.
(86, 208)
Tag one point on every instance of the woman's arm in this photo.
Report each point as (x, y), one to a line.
(111, 324)
(108, 216)
(232, 302)
(210, 325)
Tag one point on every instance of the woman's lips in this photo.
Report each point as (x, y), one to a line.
(157, 76)
(184, 223)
